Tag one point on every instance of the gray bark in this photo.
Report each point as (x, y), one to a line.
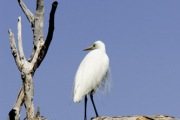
(28, 67)
(155, 117)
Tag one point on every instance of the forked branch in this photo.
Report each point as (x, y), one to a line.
(28, 68)
(49, 37)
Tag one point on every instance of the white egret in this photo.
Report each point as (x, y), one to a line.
(91, 74)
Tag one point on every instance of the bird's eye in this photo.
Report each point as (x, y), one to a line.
(94, 45)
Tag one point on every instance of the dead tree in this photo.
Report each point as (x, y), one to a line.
(27, 67)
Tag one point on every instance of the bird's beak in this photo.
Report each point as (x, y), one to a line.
(89, 48)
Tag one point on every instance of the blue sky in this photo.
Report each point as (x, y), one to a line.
(142, 39)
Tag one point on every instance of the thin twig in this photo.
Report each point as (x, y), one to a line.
(27, 12)
(20, 46)
(14, 49)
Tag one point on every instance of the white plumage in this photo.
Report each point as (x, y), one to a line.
(92, 71)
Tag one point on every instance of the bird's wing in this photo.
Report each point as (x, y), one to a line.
(91, 72)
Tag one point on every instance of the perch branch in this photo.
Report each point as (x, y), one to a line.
(20, 46)
(27, 12)
(14, 49)
(154, 117)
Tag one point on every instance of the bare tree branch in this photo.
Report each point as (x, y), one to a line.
(20, 46)
(51, 25)
(14, 49)
(15, 112)
(20, 99)
(152, 117)
(38, 26)
(37, 56)
(27, 12)
(28, 68)
(40, 6)
(49, 35)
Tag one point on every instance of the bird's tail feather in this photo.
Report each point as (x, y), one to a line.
(106, 83)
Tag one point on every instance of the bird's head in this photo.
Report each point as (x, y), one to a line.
(96, 45)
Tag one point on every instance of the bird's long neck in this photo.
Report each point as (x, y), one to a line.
(102, 47)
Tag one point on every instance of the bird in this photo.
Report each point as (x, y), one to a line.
(91, 74)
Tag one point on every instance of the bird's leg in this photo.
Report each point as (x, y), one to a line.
(85, 105)
(91, 96)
